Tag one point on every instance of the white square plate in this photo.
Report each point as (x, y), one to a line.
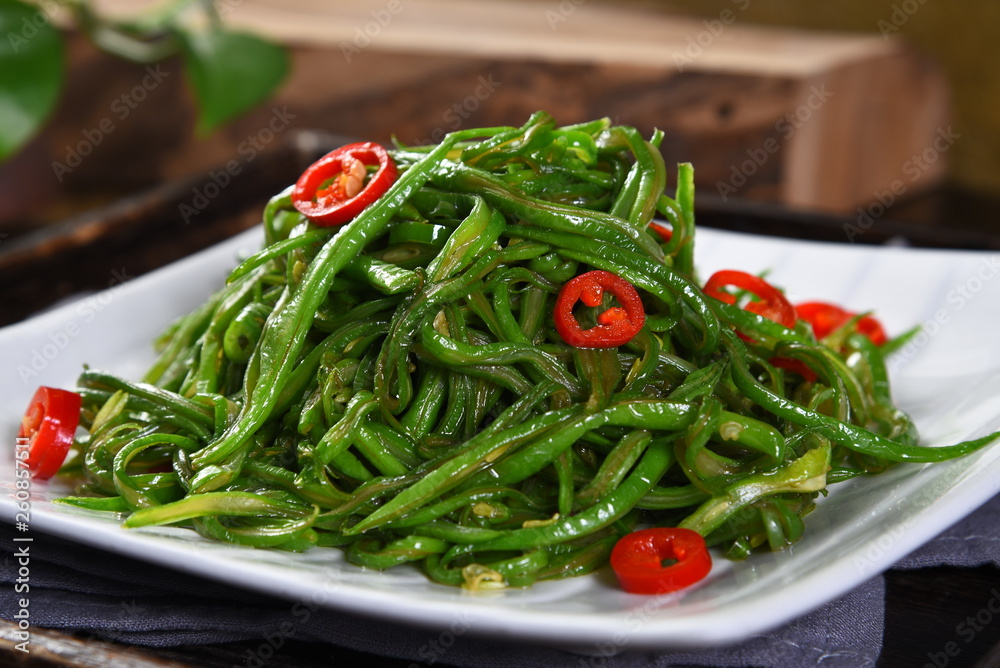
(948, 378)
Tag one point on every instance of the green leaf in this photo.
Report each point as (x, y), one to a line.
(230, 72)
(31, 72)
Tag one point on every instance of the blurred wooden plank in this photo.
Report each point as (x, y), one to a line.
(46, 648)
(839, 117)
(571, 31)
(811, 120)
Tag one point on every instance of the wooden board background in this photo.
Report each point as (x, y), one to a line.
(811, 120)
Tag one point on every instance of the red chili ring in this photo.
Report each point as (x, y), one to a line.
(48, 426)
(637, 560)
(324, 191)
(825, 318)
(773, 305)
(616, 326)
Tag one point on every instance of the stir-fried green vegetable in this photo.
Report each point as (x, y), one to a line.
(396, 386)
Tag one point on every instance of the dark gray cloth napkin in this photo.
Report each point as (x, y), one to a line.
(78, 588)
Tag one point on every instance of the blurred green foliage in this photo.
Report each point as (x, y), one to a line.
(229, 72)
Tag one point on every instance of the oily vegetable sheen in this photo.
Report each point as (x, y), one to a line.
(395, 386)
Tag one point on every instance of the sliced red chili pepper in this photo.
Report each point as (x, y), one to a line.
(798, 366)
(616, 326)
(873, 329)
(48, 426)
(826, 318)
(823, 317)
(665, 233)
(772, 305)
(333, 190)
(638, 560)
